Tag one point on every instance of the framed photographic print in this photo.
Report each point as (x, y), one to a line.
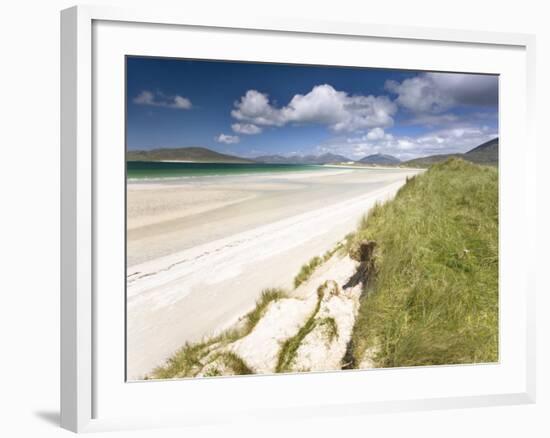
(264, 208)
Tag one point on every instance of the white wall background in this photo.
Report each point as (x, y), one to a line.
(29, 218)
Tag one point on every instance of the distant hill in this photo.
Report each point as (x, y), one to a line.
(380, 159)
(194, 154)
(302, 159)
(429, 160)
(486, 153)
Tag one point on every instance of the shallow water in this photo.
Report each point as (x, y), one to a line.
(162, 169)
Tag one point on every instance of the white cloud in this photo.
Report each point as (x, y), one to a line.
(378, 134)
(419, 94)
(246, 128)
(227, 139)
(443, 141)
(160, 99)
(375, 135)
(145, 98)
(181, 103)
(405, 144)
(338, 110)
(434, 93)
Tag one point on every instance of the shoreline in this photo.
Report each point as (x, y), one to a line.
(294, 174)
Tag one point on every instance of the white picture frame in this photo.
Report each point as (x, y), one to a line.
(86, 375)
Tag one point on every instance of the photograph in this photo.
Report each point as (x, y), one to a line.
(295, 218)
(262, 219)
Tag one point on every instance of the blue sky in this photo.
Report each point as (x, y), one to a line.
(252, 109)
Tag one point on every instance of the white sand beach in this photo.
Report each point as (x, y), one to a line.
(201, 250)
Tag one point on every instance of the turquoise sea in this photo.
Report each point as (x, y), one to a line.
(161, 170)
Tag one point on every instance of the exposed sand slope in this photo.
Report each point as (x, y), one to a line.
(284, 318)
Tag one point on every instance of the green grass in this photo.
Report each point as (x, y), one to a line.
(187, 361)
(434, 296)
(193, 357)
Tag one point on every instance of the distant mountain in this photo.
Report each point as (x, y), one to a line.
(486, 153)
(382, 159)
(302, 159)
(193, 154)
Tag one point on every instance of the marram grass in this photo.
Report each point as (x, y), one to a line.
(307, 270)
(434, 296)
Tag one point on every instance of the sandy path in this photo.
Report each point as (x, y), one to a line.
(195, 292)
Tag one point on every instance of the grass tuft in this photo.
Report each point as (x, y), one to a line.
(233, 363)
(186, 362)
(252, 318)
(307, 270)
(330, 328)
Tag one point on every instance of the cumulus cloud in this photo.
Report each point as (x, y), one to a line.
(227, 139)
(437, 92)
(338, 110)
(376, 135)
(255, 107)
(160, 99)
(419, 94)
(246, 128)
